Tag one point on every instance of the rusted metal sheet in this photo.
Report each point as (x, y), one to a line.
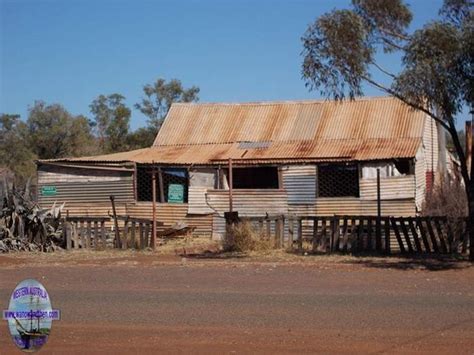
(197, 200)
(420, 178)
(355, 206)
(75, 186)
(430, 145)
(289, 121)
(170, 213)
(278, 152)
(280, 132)
(251, 203)
(391, 188)
(299, 182)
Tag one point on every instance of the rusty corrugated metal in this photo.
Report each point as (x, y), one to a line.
(391, 188)
(84, 185)
(192, 123)
(313, 131)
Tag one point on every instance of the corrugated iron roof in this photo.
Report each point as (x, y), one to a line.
(194, 123)
(305, 131)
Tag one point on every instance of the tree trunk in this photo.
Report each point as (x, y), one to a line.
(468, 184)
(470, 224)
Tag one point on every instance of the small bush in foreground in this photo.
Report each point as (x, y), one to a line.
(242, 237)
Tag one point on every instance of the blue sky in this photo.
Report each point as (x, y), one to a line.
(70, 52)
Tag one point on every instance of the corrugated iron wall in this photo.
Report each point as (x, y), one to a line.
(391, 188)
(420, 178)
(77, 186)
(299, 182)
(250, 202)
(355, 206)
(171, 213)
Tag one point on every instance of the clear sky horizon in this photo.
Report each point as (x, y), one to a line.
(69, 52)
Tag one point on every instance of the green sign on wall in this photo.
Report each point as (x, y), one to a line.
(176, 193)
(48, 190)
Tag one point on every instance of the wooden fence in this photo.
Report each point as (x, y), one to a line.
(136, 232)
(91, 233)
(85, 232)
(358, 234)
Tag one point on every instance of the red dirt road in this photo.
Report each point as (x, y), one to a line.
(149, 303)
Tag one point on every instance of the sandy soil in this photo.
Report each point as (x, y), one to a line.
(129, 302)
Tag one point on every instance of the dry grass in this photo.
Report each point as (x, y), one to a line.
(242, 237)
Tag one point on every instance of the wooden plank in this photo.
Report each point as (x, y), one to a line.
(87, 219)
(290, 232)
(434, 244)
(345, 236)
(386, 222)
(322, 239)
(405, 234)
(103, 234)
(300, 235)
(393, 221)
(147, 235)
(125, 235)
(442, 241)
(76, 235)
(314, 238)
(67, 231)
(411, 225)
(370, 235)
(88, 235)
(281, 232)
(132, 236)
(378, 234)
(97, 242)
(350, 242)
(142, 237)
(335, 234)
(426, 244)
(82, 229)
(450, 234)
(268, 233)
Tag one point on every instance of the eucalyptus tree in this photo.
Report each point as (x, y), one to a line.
(341, 51)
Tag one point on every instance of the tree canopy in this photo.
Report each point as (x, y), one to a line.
(340, 52)
(52, 132)
(112, 121)
(160, 95)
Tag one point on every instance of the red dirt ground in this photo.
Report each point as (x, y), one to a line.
(122, 302)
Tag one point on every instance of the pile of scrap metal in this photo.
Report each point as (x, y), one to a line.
(24, 226)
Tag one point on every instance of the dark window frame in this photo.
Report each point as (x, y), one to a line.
(144, 183)
(254, 181)
(334, 180)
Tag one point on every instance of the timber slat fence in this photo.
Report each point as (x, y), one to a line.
(358, 234)
(91, 233)
(85, 232)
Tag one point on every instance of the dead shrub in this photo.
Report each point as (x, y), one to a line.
(448, 198)
(242, 237)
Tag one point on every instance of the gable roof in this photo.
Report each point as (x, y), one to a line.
(293, 131)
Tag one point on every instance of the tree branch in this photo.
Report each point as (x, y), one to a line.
(393, 44)
(394, 34)
(406, 101)
(386, 72)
